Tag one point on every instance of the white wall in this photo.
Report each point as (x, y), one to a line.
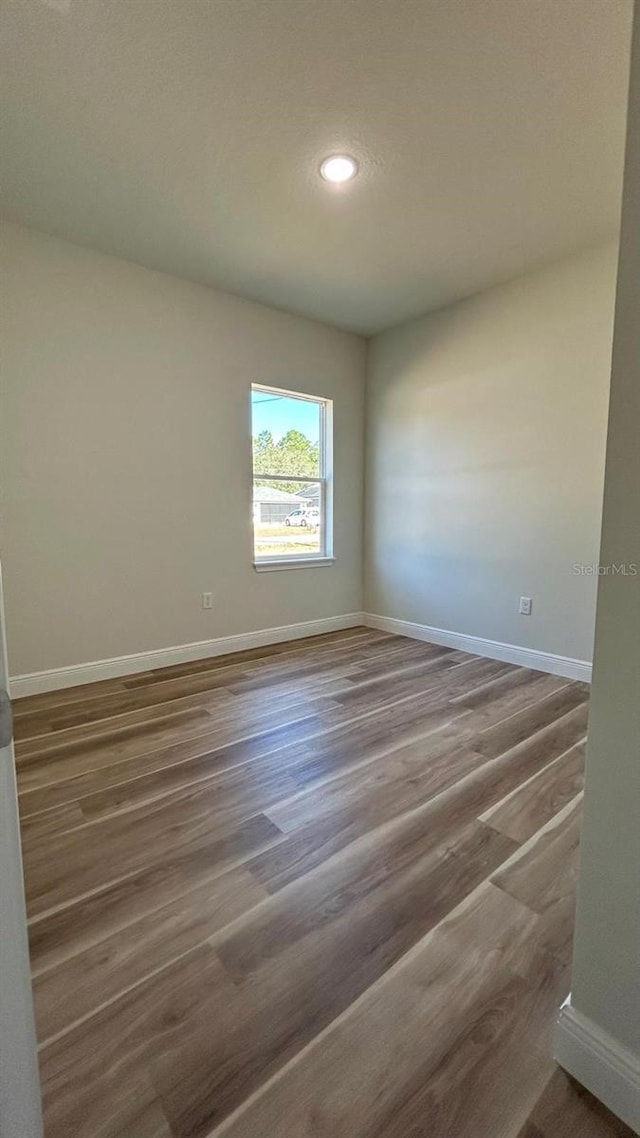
(126, 457)
(606, 971)
(486, 426)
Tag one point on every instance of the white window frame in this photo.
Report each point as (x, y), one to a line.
(325, 479)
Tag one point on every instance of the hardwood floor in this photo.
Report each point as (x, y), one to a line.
(317, 890)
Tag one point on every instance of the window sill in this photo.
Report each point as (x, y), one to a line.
(294, 563)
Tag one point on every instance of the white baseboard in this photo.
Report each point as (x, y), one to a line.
(494, 649)
(55, 678)
(600, 1063)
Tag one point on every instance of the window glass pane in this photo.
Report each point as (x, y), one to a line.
(287, 519)
(286, 434)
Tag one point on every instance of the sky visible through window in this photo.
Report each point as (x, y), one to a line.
(281, 413)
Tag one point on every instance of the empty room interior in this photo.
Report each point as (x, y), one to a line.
(320, 548)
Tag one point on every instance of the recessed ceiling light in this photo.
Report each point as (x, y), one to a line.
(338, 168)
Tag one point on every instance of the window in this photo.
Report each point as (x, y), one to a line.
(291, 478)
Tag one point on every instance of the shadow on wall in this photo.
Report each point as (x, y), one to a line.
(487, 426)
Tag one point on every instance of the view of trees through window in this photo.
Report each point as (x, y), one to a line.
(293, 453)
(288, 475)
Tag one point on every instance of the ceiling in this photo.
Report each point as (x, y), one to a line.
(186, 135)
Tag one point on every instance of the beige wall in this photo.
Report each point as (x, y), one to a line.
(486, 430)
(606, 976)
(126, 458)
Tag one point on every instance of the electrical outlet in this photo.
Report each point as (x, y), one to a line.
(525, 606)
(207, 600)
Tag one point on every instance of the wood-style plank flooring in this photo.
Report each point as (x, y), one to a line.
(318, 890)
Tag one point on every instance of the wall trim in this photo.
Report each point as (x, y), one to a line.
(53, 679)
(494, 649)
(610, 1071)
